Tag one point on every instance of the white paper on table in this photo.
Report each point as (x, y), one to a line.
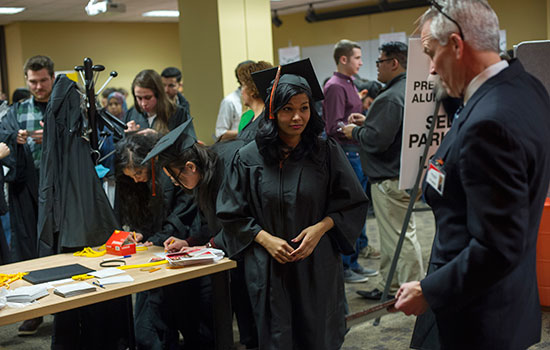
(27, 294)
(108, 272)
(52, 284)
(161, 255)
(115, 279)
(4, 302)
(18, 305)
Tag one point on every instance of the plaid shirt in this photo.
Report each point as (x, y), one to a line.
(29, 117)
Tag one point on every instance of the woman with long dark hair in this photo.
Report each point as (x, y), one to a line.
(152, 107)
(291, 205)
(148, 203)
(200, 170)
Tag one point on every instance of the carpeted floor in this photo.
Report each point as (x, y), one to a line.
(393, 332)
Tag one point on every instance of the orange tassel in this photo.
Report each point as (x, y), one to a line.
(275, 83)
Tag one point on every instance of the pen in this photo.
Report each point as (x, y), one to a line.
(172, 241)
(98, 284)
(118, 257)
(155, 269)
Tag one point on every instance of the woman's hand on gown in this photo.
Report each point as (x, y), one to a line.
(278, 248)
(310, 237)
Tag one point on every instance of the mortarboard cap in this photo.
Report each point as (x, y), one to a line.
(175, 141)
(303, 69)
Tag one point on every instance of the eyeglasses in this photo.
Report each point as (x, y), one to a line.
(384, 60)
(440, 10)
(175, 178)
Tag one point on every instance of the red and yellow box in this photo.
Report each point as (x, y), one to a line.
(118, 244)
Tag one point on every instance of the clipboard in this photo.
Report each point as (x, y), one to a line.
(374, 312)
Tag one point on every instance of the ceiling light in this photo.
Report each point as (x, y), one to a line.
(161, 13)
(11, 10)
(96, 7)
(276, 20)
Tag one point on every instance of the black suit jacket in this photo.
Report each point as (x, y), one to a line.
(483, 285)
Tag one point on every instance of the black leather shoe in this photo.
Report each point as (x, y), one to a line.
(374, 294)
(29, 327)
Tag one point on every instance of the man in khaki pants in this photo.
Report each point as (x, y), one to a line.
(379, 134)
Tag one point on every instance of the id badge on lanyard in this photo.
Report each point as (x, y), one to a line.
(435, 176)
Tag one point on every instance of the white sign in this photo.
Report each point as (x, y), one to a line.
(289, 54)
(418, 115)
(387, 37)
(502, 41)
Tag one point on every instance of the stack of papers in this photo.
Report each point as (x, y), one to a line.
(26, 294)
(73, 289)
(193, 256)
(111, 271)
(115, 279)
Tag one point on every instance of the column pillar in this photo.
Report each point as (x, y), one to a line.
(215, 35)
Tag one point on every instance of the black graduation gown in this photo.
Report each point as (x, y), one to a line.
(160, 312)
(74, 211)
(248, 133)
(22, 182)
(240, 300)
(297, 305)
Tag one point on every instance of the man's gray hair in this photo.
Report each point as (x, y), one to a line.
(478, 21)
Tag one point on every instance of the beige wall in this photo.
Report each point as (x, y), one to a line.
(124, 47)
(215, 36)
(523, 20)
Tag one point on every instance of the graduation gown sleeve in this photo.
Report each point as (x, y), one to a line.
(233, 208)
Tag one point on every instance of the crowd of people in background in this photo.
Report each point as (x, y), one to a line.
(286, 188)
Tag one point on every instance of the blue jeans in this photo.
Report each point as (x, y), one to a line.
(350, 261)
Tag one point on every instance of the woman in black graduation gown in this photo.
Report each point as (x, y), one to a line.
(291, 205)
(148, 203)
(201, 170)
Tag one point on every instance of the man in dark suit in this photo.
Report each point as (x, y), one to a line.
(495, 167)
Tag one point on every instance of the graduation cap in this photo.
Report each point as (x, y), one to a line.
(299, 73)
(175, 142)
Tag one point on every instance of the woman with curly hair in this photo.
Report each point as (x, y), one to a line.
(290, 205)
(248, 125)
